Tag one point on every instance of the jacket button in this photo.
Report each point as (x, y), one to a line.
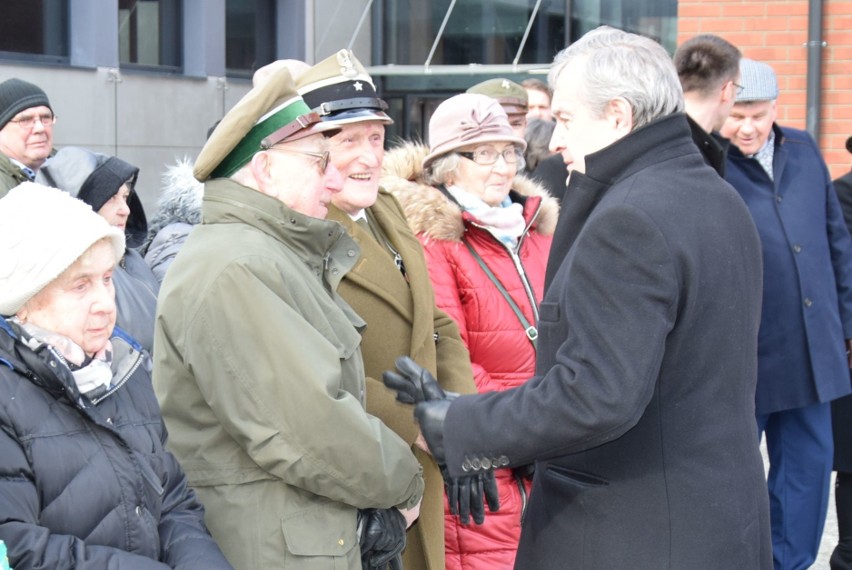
(504, 461)
(109, 421)
(466, 465)
(351, 253)
(341, 542)
(335, 271)
(797, 248)
(808, 302)
(486, 463)
(476, 464)
(138, 510)
(779, 199)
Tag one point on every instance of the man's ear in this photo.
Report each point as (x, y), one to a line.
(261, 169)
(620, 114)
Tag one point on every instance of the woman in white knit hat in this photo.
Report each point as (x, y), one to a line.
(85, 479)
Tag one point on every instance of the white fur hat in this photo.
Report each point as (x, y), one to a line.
(43, 231)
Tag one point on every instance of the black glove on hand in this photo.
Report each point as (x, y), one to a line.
(431, 416)
(414, 384)
(465, 495)
(382, 538)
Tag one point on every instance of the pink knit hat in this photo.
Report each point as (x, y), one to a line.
(468, 119)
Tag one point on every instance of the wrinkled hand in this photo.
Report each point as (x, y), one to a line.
(382, 538)
(465, 495)
(413, 384)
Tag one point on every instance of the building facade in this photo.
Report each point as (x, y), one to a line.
(146, 79)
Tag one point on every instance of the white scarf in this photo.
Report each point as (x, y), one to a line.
(505, 222)
(94, 377)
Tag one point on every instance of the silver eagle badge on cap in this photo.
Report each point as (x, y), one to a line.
(347, 66)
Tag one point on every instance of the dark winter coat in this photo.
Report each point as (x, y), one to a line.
(807, 274)
(641, 413)
(841, 409)
(91, 485)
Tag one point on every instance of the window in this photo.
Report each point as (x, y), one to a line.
(149, 33)
(656, 19)
(491, 32)
(35, 29)
(488, 32)
(249, 35)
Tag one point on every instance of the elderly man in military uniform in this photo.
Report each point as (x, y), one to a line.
(258, 366)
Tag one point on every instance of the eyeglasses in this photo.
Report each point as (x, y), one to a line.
(488, 156)
(28, 121)
(739, 87)
(322, 156)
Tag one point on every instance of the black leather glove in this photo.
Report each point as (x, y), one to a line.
(413, 384)
(431, 416)
(465, 495)
(382, 538)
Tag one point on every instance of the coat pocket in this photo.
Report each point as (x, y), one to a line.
(320, 537)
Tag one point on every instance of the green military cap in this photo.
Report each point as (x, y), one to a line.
(270, 113)
(511, 96)
(341, 91)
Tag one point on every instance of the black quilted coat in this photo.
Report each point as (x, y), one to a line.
(89, 484)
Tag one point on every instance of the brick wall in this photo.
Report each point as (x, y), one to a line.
(775, 32)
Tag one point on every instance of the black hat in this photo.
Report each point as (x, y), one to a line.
(17, 95)
(95, 178)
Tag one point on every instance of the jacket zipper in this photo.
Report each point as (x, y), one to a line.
(123, 379)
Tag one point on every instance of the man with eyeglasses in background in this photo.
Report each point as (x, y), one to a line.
(258, 365)
(709, 70)
(26, 132)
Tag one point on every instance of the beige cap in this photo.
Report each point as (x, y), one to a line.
(270, 113)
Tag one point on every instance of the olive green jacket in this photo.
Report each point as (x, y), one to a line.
(402, 319)
(10, 175)
(261, 382)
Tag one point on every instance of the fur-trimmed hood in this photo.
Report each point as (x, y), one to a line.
(430, 212)
(180, 198)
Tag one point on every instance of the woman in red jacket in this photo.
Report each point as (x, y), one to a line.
(486, 232)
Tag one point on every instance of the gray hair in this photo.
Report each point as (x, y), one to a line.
(620, 64)
(442, 169)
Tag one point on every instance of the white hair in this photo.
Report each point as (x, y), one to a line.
(620, 64)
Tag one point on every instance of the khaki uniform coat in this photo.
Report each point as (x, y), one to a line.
(261, 381)
(402, 319)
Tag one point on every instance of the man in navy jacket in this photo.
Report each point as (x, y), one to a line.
(803, 358)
